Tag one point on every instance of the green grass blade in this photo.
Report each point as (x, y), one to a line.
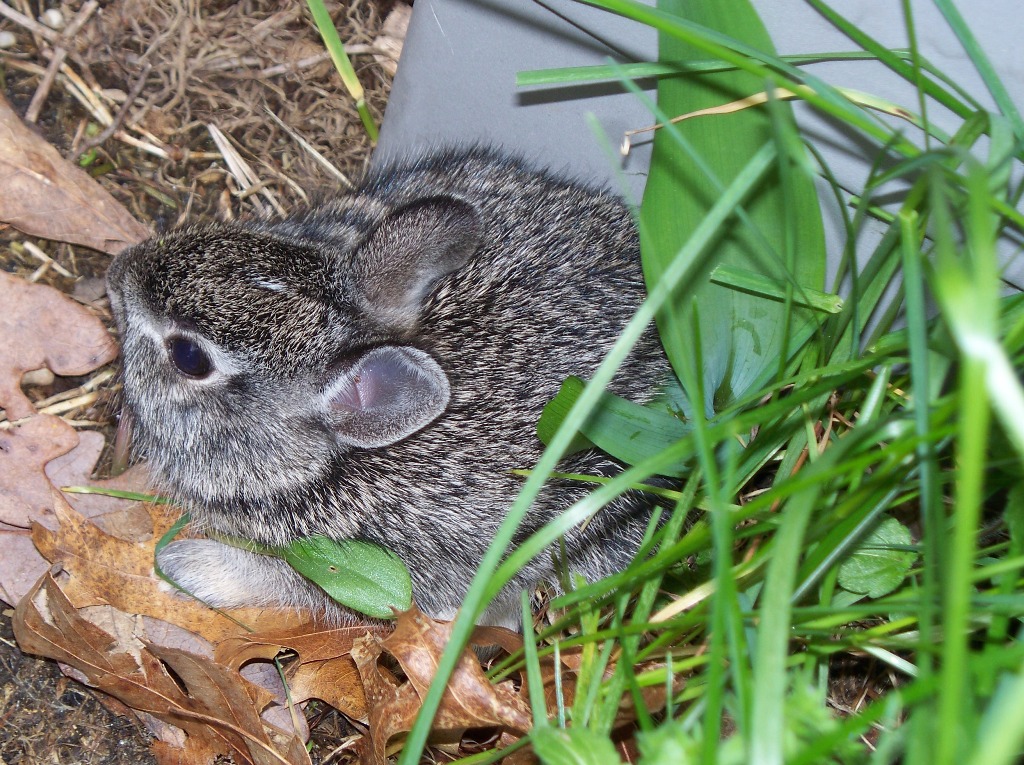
(765, 743)
(930, 501)
(533, 676)
(982, 63)
(966, 285)
(894, 62)
(762, 286)
(343, 64)
(763, 64)
(1001, 736)
(615, 72)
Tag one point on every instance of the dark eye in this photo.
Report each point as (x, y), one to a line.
(188, 357)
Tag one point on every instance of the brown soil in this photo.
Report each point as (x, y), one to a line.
(189, 65)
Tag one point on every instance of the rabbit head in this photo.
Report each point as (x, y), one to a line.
(251, 359)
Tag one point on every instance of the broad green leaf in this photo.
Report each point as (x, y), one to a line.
(359, 575)
(627, 431)
(572, 746)
(742, 336)
(881, 563)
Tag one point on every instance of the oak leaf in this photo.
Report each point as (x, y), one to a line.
(25, 491)
(110, 571)
(41, 327)
(21, 565)
(215, 707)
(470, 700)
(123, 518)
(323, 667)
(26, 498)
(33, 461)
(46, 196)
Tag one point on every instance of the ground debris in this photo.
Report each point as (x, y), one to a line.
(225, 64)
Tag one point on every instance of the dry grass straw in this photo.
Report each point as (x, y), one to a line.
(154, 75)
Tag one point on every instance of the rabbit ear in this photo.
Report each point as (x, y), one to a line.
(389, 393)
(413, 248)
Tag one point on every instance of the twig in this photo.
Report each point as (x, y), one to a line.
(60, 52)
(79, 402)
(119, 118)
(86, 97)
(242, 171)
(101, 115)
(30, 24)
(88, 387)
(12, 61)
(39, 97)
(150, 148)
(38, 254)
(316, 155)
(79, 397)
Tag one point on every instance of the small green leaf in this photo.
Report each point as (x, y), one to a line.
(572, 746)
(359, 575)
(881, 563)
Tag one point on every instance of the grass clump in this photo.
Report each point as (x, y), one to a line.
(849, 488)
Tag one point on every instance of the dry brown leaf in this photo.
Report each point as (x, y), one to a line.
(212, 704)
(192, 752)
(76, 467)
(31, 461)
(122, 518)
(334, 681)
(106, 570)
(25, 491)
(283, 712)
(470, 701)
(224, 700)
(323, 668)
(110, 565)
(41, 327)
(392, 706)
(506, 639)
(311, 641)
(21, 565)
(46, 196)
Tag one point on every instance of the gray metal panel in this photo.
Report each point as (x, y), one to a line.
(456, 84)
(456, 81)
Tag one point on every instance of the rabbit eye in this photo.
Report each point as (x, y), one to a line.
(188, 357)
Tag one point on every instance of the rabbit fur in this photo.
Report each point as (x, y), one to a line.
(373, 367)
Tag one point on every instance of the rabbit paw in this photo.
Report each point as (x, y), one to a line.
(228, 577)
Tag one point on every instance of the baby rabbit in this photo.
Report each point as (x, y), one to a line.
(373, 368)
